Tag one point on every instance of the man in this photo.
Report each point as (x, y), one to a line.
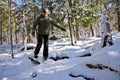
(43, 24)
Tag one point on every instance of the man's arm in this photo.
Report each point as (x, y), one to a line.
(57, 26)
(35, 23)
(34, 26)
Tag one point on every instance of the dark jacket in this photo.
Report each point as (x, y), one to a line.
(44, 25)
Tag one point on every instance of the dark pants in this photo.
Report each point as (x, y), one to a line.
(40, 39)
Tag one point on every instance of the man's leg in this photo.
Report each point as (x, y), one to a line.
(39, 44)
(45, 51)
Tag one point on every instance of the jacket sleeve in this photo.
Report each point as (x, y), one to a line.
(56, 25)
(35, 24)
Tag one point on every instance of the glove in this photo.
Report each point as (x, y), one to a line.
(33, 33)
(63, 29)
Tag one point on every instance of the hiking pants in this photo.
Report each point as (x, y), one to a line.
(40, 39)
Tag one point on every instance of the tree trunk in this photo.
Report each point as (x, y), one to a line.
(42, 4)
(10, 27)
(1, 37)
(23, 42)
(69, 22)
(51, 12)
(118, 21)
(23, 36)
(77, 31)
(25, 27)
(72, 26)
(118, 14)
(16, 33)
(91, 28)
(16, 39)
(74, 32)
(7, 38)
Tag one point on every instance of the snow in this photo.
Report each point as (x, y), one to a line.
(74, 67)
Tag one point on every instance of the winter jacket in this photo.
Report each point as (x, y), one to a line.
(43, 25)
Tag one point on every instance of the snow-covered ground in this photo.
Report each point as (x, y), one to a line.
(86, 60)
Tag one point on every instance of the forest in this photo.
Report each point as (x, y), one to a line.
(73, 52)
(80, 18)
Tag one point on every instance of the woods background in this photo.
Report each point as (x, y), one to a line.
(79, 17)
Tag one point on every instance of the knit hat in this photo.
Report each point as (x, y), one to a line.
(45, 10)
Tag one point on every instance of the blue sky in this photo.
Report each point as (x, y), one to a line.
(19, 2)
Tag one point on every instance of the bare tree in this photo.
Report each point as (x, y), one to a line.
(1, 14)
(10, 27)
(71, 23)
(1, 26)
(118, 13)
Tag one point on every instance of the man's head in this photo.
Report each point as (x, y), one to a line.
(44, 13)
(45, 10)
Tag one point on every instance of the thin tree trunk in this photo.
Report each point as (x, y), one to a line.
(42, 4)
(16, 39)
(1, 37)
(25, 28)
(72, 27)
(23, 38)
(74, 32)
(118, 21)
(77, 30)
(10, 27)
(118, 14)
(23, 41)
(91, 28)
(7, 38)
(69, 22)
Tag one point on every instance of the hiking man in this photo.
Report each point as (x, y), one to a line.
(43, 24)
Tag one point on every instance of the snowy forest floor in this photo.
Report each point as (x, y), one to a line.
(86, 60)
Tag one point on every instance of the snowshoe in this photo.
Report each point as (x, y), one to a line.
(34, 60)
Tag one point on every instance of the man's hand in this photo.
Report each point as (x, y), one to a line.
(33, 33)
